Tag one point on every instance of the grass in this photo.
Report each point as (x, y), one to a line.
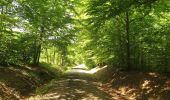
(24, 80)
(56, 70)
(40, 91)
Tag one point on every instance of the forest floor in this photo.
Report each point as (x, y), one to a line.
(20, 82)
(74, 85)
(79, 84)
(101, 83)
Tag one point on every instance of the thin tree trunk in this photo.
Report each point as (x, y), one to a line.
(40, 44)
(47, 58)
(54, 55)
(128, 40)
(37, 53)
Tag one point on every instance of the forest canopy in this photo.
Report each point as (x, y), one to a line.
(129, 34)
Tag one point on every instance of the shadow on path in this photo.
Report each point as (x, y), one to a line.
(74, 86)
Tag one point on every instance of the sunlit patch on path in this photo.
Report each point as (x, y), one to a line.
(81, 70)
(74, 87)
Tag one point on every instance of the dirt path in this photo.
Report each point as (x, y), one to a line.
(74, 86)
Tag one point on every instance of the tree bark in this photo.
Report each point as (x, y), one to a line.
(47, 57)
(127, 40)
(37, 53)
(54, 55)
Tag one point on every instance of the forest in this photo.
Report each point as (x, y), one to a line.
(129, 35)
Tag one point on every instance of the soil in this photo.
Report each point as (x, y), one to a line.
(73, 87)
(118, 85)
(134, 85)
(78, 84)
(20, 82)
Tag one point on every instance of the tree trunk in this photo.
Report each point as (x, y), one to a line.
(127, 40)
(37, 53)
(47, 57)
(54, 55)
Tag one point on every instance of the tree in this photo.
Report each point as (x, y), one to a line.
(47, 18)
(133, 23)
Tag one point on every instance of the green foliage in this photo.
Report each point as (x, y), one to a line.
(132, 34)
(27, 27)
(44, 90)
